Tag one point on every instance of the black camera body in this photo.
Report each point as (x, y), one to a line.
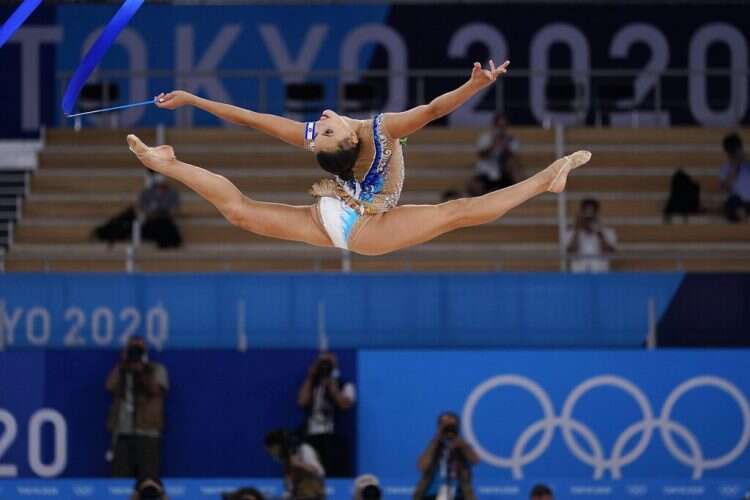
(324, 370)
(450, 431)
(243, 494)
(134, 354)
(150, 493)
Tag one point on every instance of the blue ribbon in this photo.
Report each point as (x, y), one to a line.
(97, 51)
(17, 19)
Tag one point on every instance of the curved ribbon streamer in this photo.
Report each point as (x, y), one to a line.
(97, 51)
(16, 19)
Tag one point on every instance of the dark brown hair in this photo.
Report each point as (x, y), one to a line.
(340, 162)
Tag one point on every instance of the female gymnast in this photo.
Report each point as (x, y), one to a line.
(357, 209)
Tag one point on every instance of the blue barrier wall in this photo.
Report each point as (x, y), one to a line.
(205, 489)
(585, 414)
(587, 417)
(361, 311)
(219, 407)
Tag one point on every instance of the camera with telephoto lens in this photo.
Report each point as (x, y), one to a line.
(450, 431)
(367, 487)
(243, 494)
(150, 493)
(134, 354)
(149, 489)
(325, 369)
(371, 492)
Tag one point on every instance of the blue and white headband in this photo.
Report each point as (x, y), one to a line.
(309, 131)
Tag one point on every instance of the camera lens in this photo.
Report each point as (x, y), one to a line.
(325, 368)
(150, 493)
(371, 492)
(135, 353)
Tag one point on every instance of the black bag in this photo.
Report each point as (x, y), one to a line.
(118, 228)
(684, 196)
(161, 229)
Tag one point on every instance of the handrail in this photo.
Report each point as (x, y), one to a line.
(131, 257)
(264, 76)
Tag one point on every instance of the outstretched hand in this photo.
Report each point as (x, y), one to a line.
(173, 100)
(484, 77)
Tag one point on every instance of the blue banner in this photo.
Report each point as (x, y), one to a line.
(596, 415)
(53, 410)
(202, 48)
(210, 489)
(361, 311)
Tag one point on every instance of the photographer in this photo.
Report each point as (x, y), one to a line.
(321, 395)
(589, 242)
(149, 488)
(136, 417)
(303, 473)
(446, 464)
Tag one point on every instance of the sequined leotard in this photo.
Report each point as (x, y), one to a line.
(343, 206)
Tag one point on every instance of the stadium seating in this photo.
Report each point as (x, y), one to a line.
(87, 177)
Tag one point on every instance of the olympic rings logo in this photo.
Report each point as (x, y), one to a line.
(596, 458)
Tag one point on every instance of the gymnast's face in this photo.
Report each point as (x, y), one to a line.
(332, 130)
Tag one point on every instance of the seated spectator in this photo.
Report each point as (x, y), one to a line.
(156, 208)
(303, 474)
(498, 165)
(446, 464)
(735, 179)
(149, 488)
(157, 205)
(588, 242)
(541, 492)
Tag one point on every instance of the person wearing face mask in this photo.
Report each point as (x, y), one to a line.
(149, 488)
(589, 242)
(303, 473)
(446, 464)
(357, 209)
(136, 417)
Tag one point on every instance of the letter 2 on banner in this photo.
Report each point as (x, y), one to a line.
(97, 51)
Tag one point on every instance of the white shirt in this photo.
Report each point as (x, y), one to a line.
(321, 420)
(309, 457)
(741, 184)
(491, 166)
(589, 258)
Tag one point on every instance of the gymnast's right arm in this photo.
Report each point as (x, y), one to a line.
(289, 131)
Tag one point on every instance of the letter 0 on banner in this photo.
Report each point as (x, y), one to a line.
(97, 51)
(17, 19)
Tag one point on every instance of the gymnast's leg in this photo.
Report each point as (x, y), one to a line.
(411, 225)
(274, 220)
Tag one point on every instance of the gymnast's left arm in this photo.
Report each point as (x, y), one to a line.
(408, 122)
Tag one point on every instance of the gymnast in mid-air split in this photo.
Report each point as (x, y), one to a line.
(357, 208)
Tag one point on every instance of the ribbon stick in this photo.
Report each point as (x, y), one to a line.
(17, 19)
(114, 108)
(97, 51)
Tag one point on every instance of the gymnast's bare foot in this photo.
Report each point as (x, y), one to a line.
(157, 158)
(561, 168)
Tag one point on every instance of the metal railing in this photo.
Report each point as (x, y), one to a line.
(133, 259)
(415, 85)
